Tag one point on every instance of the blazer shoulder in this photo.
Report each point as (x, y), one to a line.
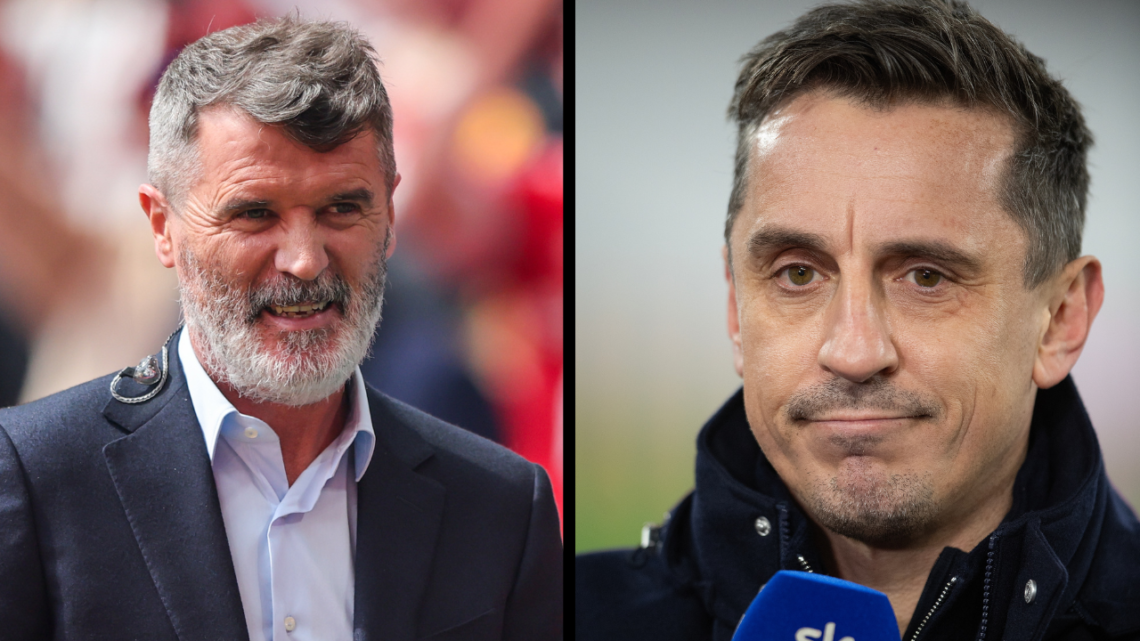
(59, 439)
(70, 410)
(453, 444)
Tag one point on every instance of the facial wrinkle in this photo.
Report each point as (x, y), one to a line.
(851, 224)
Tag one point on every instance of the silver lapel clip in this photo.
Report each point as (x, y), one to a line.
(148, 373)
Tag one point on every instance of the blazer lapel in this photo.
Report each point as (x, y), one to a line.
(398, 518)
(165, 482)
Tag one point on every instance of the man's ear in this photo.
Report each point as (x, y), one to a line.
(733, 314)
(392, 218)
(157, 209)
(1075, 300)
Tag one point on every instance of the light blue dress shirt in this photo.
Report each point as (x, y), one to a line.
(292, 546)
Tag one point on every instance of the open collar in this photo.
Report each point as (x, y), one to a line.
(212, 407)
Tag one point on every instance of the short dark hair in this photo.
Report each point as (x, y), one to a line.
(318, 80)
(886, 53)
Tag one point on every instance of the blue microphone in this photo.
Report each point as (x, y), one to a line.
(798, 606)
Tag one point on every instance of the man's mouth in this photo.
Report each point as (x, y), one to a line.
(303, 310)
(860, 417)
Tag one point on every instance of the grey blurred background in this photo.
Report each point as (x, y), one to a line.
(653, 172)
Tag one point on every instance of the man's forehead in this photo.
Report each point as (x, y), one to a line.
(233, 131)
(833, 167)
(250, 161)
(841, 127)
(846, 176)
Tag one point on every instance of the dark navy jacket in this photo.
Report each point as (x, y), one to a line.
(110, 527)
(1068, 531)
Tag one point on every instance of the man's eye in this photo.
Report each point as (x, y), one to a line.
(924, 277)
(255, 214)
(800, 275)
(344, 208)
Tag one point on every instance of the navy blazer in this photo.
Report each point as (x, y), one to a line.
(110, 527)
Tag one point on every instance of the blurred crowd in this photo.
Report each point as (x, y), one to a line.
(473, 318)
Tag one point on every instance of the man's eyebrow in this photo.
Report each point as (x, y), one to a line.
(769, 239)
(242, 204)
(363, 196)
(934, 250)
(766, 240)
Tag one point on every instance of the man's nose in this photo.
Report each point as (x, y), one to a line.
(301, 251)
(858, 343)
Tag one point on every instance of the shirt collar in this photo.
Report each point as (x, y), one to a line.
(211, 407)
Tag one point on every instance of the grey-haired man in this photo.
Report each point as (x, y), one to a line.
(245, 483)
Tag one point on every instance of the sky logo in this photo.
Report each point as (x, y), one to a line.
(811, 634)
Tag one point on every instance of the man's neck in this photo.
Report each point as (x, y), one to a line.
(304, 431)
(901, 572)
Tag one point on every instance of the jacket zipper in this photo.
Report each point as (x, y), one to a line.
(945, 589)
(938, 602)
(933, 608)
(986, 588)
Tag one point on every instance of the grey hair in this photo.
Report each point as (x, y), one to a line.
(885, 53)
(318, 80)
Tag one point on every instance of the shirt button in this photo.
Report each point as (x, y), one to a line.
(250, 432)
(290, 623)
(1030, 590)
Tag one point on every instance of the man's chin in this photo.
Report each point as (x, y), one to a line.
(297, 346)
(295, 383)
(874, 507)
(292, 368)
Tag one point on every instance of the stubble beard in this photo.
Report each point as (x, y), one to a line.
(875, 508)
(307, 365)
(864, 502)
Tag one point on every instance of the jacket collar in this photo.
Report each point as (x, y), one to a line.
(166, 485)
(741, 524)
(132, 416)
(400, 511)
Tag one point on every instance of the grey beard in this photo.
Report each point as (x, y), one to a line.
(310, 365)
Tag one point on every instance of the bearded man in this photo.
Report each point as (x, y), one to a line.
(906, 299)
(244, 482)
